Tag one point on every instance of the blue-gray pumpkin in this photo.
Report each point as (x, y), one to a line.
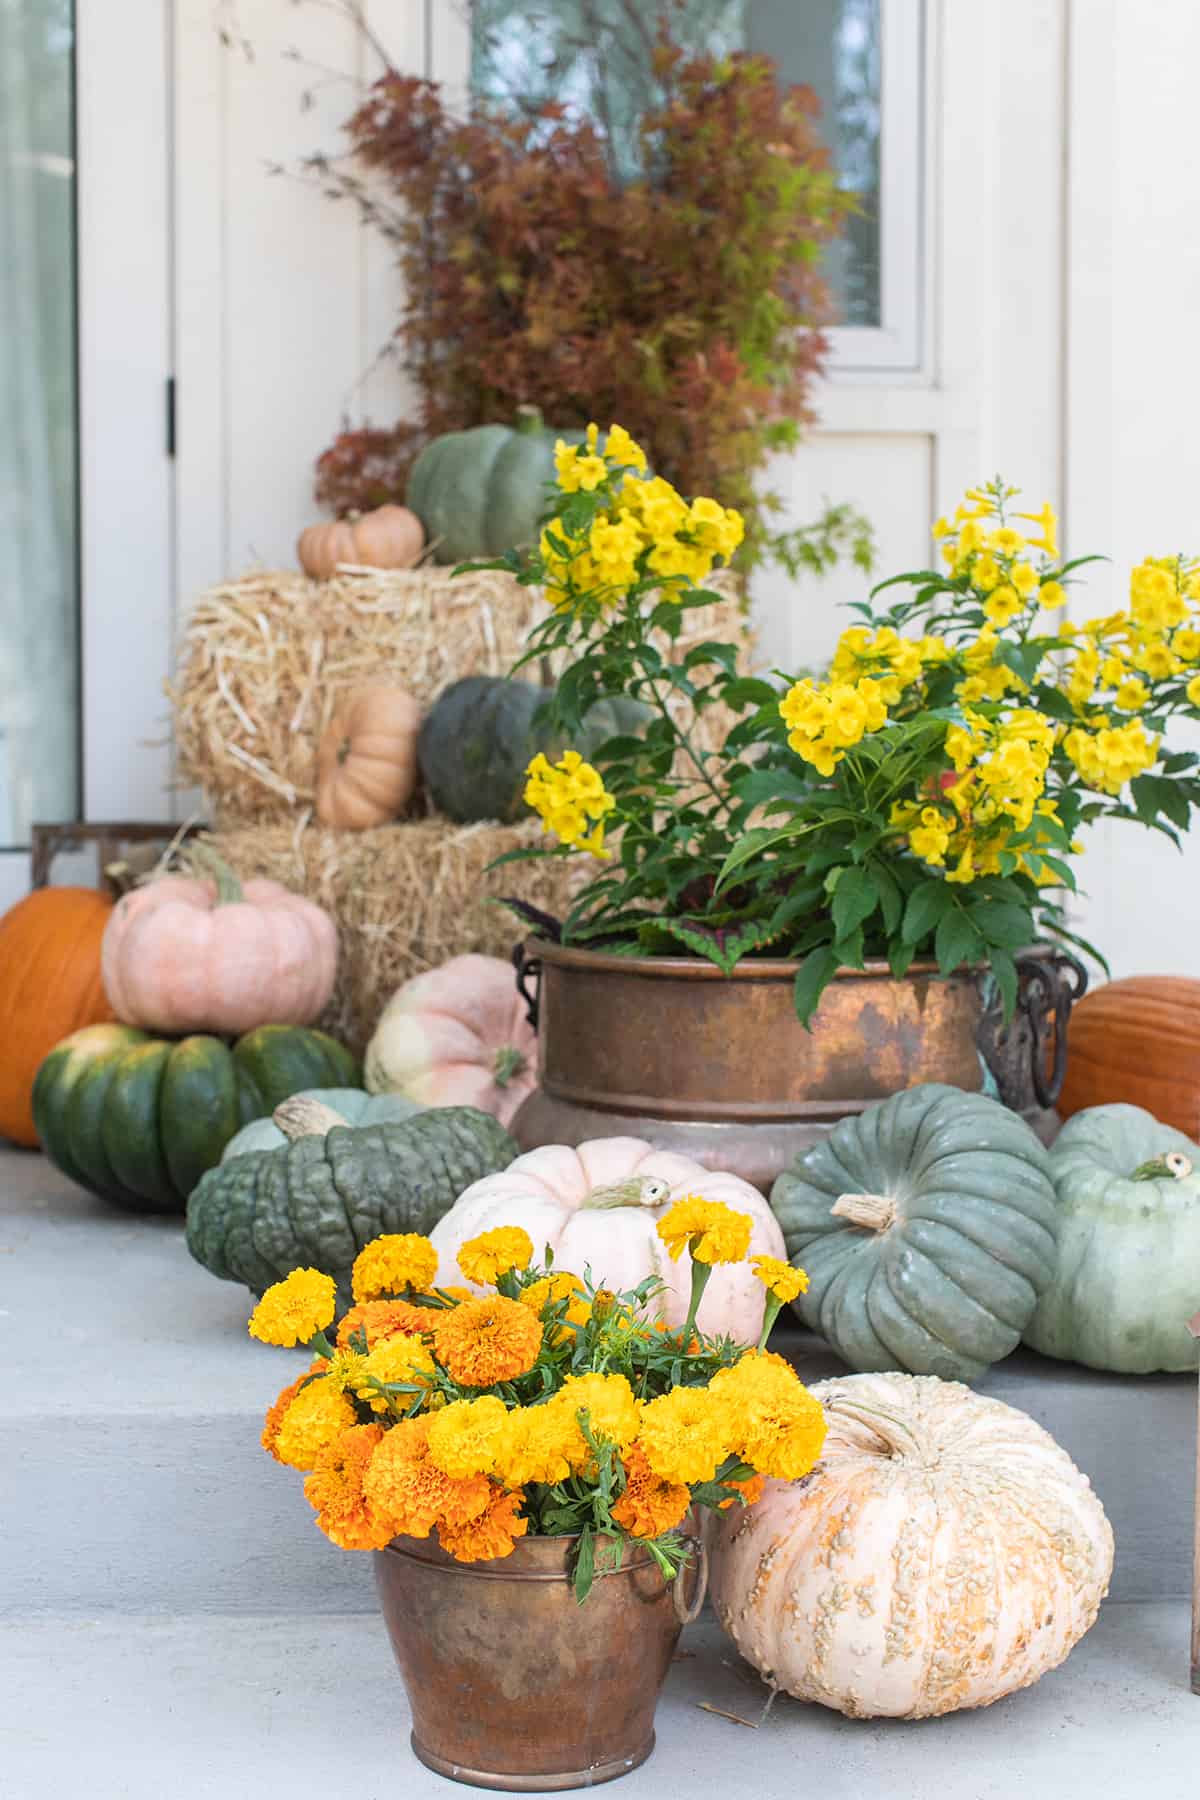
(927, 1225)
(481, 492)
(354, 1106)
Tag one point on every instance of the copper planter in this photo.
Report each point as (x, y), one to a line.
(512, 1683)
(718, 1066)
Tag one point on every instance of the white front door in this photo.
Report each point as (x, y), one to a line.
(85, 468)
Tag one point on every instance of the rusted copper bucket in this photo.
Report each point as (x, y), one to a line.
(718, 1066)
(512, 1683)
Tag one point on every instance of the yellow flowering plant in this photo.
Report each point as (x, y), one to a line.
(924, 799)
(543, 1405)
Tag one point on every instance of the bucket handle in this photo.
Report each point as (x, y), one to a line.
(688, 1610)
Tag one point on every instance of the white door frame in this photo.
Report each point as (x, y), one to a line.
(126, 499)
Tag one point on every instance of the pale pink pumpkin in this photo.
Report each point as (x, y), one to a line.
(186, 953)
(456, 1036)
(598, 1205)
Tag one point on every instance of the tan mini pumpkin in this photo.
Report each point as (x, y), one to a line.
(943, 1553)
(367, 758)
(391, 537)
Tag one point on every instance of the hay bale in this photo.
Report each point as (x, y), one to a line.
(264, 660)
(405, 897)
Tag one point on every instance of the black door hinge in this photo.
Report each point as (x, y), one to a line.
(170, 415)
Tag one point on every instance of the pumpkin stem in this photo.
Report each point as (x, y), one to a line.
(527, 420)
(874, 1212)
(636, 1190)
(299, 1118)
(1174, 1166)
(509, 1062)
(203, 860)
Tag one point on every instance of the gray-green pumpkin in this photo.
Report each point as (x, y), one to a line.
(479, 738)
(481, 492)
(320, 1199)
(927, 1226)
(1128, 1276)
(353, 1105)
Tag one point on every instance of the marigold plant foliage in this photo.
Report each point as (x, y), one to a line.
(924, 799)
(688, 303)
(548, 1406)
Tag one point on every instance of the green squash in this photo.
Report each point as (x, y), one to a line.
(480, 737)
(139, 1119)
(354, 1105)
(482, 492)
(1128, 1276)
(318, 1201)
(927, 1226)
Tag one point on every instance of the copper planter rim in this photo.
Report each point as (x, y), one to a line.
(527, 1561)
(697, 968)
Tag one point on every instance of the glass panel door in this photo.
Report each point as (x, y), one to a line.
(39, 581)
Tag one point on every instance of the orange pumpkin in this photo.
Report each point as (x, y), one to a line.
(1137, 1040)
(50, 986)
(391, 537)
(367, 758)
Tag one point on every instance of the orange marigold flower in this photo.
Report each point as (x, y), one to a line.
(492, 1533)
(749, 1490)
(484, 1259)
(275, 1412)
(334, 1490)
(315, 1417)
(488, 1340)
(384, 1318)
(389, 1264)
(649, 1506)
(410, 1492)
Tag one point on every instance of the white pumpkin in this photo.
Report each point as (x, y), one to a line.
(598, 1205)
(457, 1035)
(944, 1552)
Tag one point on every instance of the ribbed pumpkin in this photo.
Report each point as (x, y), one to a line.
(138, 1119)
(388, 538)
(482, 492)
(1137, 1040)
(927, 1226)
(367, 758)
(458, 1035)
(353, 1105)
(1128, 1274)
(50, 986)
(944, 1552)
(318, 1201)
(480, 736)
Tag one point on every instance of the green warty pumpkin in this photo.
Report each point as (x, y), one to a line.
(482, 492)
(139, 1119)
(927, 1226)
(1128, 1276)
(318, 1201)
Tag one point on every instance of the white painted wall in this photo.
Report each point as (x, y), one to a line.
(1062, 249)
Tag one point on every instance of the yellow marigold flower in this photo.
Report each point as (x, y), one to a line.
(779, 1277)
(713, 1233)
(334, 1490)
(776, 1425)
(1052, 594)
(613, 1412)
(293, 1311)
(378, 1319)
(649, 1505)
(489, 1535)
(485, 1341)
(484, 1259)
(407, 1489)
(1004, 604)
(550, 1290)
(464, 1436)
(533, 1446)
(621, 450)
(344, 1369)
(403, 1358)
(314, 1419)
(279, 1406)
(686, 1434)
(389, 1264)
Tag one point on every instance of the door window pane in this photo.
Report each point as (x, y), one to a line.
(39, 624)
(594, 57)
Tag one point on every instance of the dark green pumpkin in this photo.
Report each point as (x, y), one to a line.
(138, 1119)
(318, 1201)
(479, 738)
(945, 1232)
(482, 492)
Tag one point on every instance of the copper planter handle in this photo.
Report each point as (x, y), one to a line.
(688, 1610)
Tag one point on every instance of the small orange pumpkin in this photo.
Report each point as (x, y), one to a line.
(1137, 1040)
(391, 537)
(50, 986)
(367, 758)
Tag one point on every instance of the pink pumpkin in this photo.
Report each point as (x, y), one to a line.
(188, 954)
(456, 1036)
(598, 1205)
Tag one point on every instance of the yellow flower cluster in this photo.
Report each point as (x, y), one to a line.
(1112, 755)
(824, 722)
(571, 800)
(895, 663)
(780, 1278)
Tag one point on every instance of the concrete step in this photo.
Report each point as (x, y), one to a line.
(207, 1707)
(131, 1427)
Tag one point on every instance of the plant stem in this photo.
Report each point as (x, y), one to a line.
(700, 1274)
